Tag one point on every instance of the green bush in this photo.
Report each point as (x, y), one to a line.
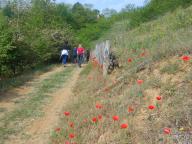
(35, 35)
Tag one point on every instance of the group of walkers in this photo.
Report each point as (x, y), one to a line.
(77, 55)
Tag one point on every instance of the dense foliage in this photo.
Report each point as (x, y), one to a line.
(33, 32)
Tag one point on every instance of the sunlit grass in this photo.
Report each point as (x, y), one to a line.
(20, 80)
(31, 106)
(155, 42)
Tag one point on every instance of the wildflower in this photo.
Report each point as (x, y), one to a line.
(94, 119)
(57, 129)
(130, 109)
(167, 130)
(129, 60)
(71, 124)
(66, 113)
(115, 118)
(144, 98)
(67, 142)
(85, 120)
(151, 107)
(90, 78)
(185, 58)
(139, 82)
(106, 89)
(142, 54)
(71, 136)
(123, 126)
(98, 106)
(99, 117)
(181, 129)
(158, 97)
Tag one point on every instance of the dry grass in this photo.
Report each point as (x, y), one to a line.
(145, 126)
(164, 74)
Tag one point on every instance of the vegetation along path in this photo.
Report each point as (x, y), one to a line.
(34, 119)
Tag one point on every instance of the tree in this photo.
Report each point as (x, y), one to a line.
(7, 11)
(109, 12)
(32, 33)
(128, 8)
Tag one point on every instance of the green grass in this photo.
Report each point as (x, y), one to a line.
(21, 79)
(188, 77)
(86, 70)
(145, 126)
(164, 39)
(170, 68)
(31, 107)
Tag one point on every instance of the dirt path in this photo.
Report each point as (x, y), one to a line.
(11, 99)
(39, 130)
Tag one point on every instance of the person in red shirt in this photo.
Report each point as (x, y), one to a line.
(80, 53)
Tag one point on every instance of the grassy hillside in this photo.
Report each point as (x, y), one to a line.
(150, 94)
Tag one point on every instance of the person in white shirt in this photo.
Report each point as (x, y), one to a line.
(64, 56)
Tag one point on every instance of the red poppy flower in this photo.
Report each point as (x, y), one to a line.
(89, 77)
(151, 107)
(85, 120)
(71, 124)
(71, 136)
(129, 60)
(57, 129)
(167, 130)
(98, 106)
(106, 89)
(115, 118)
(158, 97)
(123, 126)
(66, 113)
(130, 109)
(139, 82)
(185, 58)
(94, 119)
(142, 54)
(67, 142)
(99, 117)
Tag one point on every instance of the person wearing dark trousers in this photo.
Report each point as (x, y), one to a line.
(75, 55)
(64, 56)
(67, 47)
(80, 53)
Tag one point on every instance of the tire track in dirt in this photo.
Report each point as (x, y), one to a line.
(9, 100)
(39, 130)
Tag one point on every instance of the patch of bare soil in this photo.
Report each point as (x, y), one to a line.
(10, 100)
(39, 130)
